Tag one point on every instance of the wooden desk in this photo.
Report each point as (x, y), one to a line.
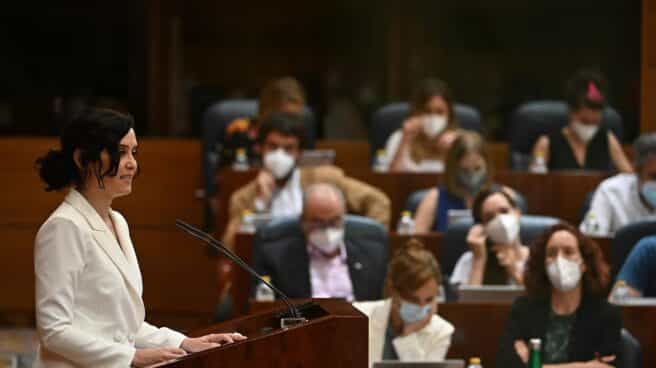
(241, 284)
(479, 327)
(556, 194)
(353, 155)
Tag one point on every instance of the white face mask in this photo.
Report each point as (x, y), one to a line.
(503, 229)
(585, 131)
(434, 124)
(279, 163)
(328, 239)
(564, 274)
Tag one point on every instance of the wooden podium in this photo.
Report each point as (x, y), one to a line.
(335, 335)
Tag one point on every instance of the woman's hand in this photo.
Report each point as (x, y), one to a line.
(476, 241)
(265, 185)
(146, 357)
(511, 261)
(602, 362)
(196, 344)
(413, 327)
(412, 127)
(445, 140)
(522, 350)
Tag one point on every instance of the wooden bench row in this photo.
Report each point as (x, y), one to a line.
(479, 327)
(559, 195)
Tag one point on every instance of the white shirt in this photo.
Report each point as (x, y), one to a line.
(616, 203)
(286, 201)
(431, 343)
(406, 162)
(463, 269)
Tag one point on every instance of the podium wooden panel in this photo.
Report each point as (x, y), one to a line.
(335, 336)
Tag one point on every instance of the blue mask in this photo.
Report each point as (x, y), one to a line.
(648, 190)
(411, 312)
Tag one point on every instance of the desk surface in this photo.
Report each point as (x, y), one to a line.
(479, 326)
(556, 194)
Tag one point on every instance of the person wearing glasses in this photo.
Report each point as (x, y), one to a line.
(278, 187)
(325, 258)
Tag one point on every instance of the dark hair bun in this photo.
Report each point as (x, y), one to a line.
(56, 169)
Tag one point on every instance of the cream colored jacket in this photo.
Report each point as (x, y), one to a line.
(89, 309)
(431, 343)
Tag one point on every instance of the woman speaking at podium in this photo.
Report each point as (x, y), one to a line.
(89, 310)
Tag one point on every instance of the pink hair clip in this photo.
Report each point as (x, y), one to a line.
(594, 94)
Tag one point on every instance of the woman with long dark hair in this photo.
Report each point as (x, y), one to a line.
(89, 309)
(567, 282)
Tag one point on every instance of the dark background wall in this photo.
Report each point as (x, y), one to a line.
(166, 60)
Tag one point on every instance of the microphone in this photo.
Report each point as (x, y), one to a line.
(207, 238)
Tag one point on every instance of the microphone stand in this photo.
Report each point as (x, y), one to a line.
(296, 316)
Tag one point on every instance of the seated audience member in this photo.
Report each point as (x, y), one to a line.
(425, 138)
(625, 198)
(278, 188)
(406, 325)
(566, 283)
(468, 170)
(496, 255)
(639, 269)
(584, 143)
(279, 95)
(327, 259)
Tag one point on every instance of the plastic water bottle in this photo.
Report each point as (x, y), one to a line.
(591, 224)
(263, 293)
(621, 292)
(247, 224)
(241, 160)
(380, 162)
(535, 355)
(406, 225)
(475, 362)
(539, 165)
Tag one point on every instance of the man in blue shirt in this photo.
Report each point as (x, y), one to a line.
(639, 269)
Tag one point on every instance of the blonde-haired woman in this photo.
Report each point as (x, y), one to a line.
(468, 170)
(423, 141)
(406, 326)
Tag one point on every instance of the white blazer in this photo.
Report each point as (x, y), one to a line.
(431, 343)
(89, 310)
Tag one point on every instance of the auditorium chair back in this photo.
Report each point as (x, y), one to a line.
(625, 239)
(288, 229)
(389, 118)
(414, 199)
(630, 351)
(533, 119)
(455, 245)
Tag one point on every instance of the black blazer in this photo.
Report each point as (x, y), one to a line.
(280, 252)
(596, 329)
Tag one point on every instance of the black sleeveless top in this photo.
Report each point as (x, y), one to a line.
(597, 155)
